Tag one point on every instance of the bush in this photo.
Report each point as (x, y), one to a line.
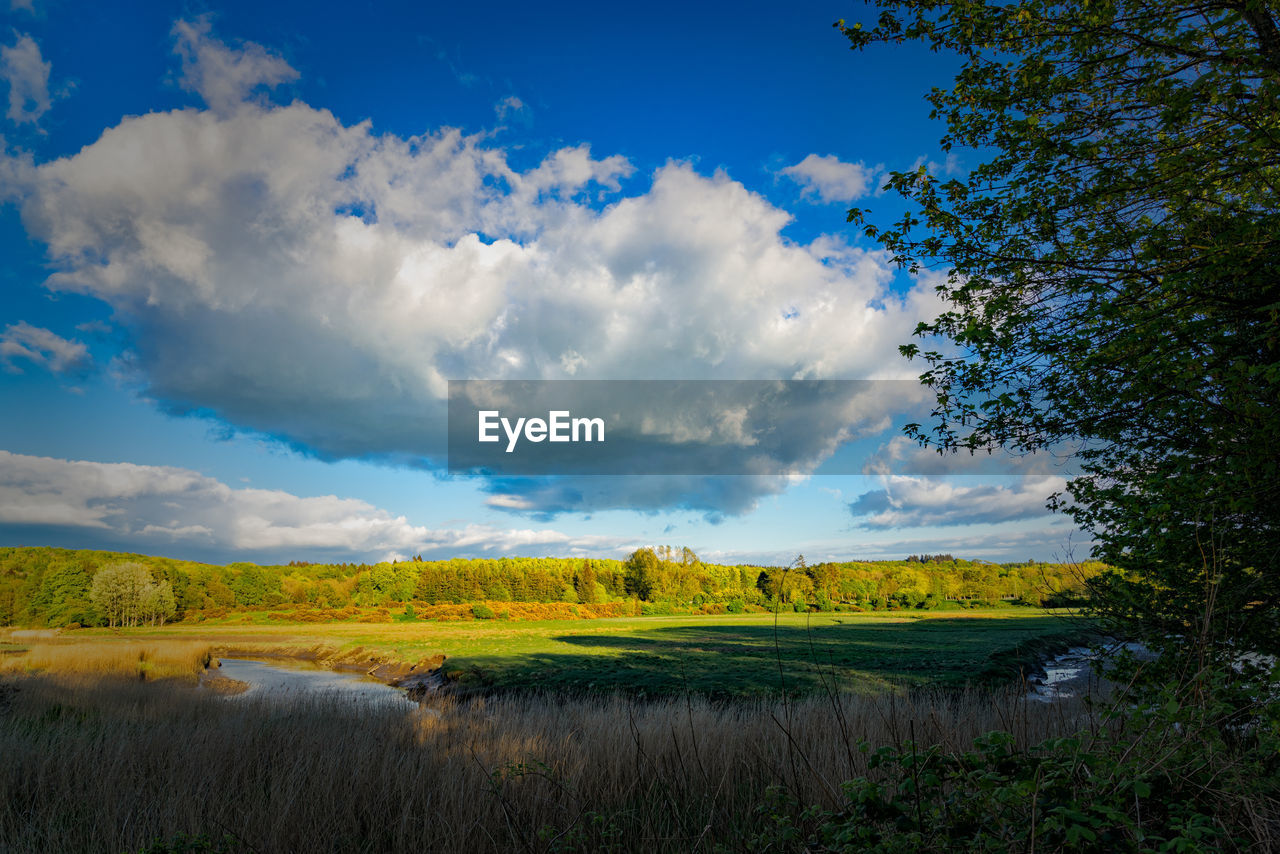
(735, 606)
(183, 844)
(1174, 771)
(482, 611)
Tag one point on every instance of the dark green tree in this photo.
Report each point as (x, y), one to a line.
(63, 596)
(251, 584)
(1113, 281)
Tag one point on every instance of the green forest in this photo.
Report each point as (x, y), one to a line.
(56, 587)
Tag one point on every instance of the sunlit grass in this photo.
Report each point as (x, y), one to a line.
(729, 655)
(151, 659)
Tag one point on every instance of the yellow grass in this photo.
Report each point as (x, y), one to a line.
(153, 659)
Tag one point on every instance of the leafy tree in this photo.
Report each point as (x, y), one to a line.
(251, 584)
(640, 574)
(585, 584)
(826, 579)
(8, 601)
(63, 596)
(157, 603)
(127, 595)
(1112, 281)
(117, 591)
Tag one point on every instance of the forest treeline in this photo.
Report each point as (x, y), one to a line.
(42, 586)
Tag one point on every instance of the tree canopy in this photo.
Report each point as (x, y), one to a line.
(53, 587)
(127, 595)
(1112, 280)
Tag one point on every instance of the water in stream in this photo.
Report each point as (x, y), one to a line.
(292, 681)
(1071, 673)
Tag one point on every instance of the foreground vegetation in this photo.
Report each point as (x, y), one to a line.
(108, 744)
(114, 764)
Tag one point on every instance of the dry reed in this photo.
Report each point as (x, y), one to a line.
(113, 765)
(142, 660)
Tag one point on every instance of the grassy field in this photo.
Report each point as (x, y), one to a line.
(718, 656)
(109, 746)
(118, 765)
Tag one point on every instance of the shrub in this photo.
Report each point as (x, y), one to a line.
(1174, 771)
(481, 611)
(183, 844)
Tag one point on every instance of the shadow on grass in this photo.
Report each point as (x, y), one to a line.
(759, 660)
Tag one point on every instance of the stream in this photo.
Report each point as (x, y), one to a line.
(288, 681)
(1071, 675)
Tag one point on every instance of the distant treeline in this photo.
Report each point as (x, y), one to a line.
(52, 587)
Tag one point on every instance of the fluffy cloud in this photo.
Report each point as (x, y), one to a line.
(223, 76)
(27, 74)
(830, 178)
(910, 502)
(23, 342)
(320, 283)
(160, 505)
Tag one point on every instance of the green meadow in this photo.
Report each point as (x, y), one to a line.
(716, 655)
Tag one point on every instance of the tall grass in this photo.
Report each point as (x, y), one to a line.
(113, 764)
(140, 660)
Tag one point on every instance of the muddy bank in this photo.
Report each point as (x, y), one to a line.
(222, 685)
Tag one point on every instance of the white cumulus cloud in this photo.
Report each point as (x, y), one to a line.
(830, 178)
(161, 505)
(911, 502)
(320, 283)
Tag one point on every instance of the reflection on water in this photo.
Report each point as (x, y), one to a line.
(1064, 676)
(294, 681)
(1071, 673)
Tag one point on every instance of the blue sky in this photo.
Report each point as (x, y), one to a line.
(247, 244)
